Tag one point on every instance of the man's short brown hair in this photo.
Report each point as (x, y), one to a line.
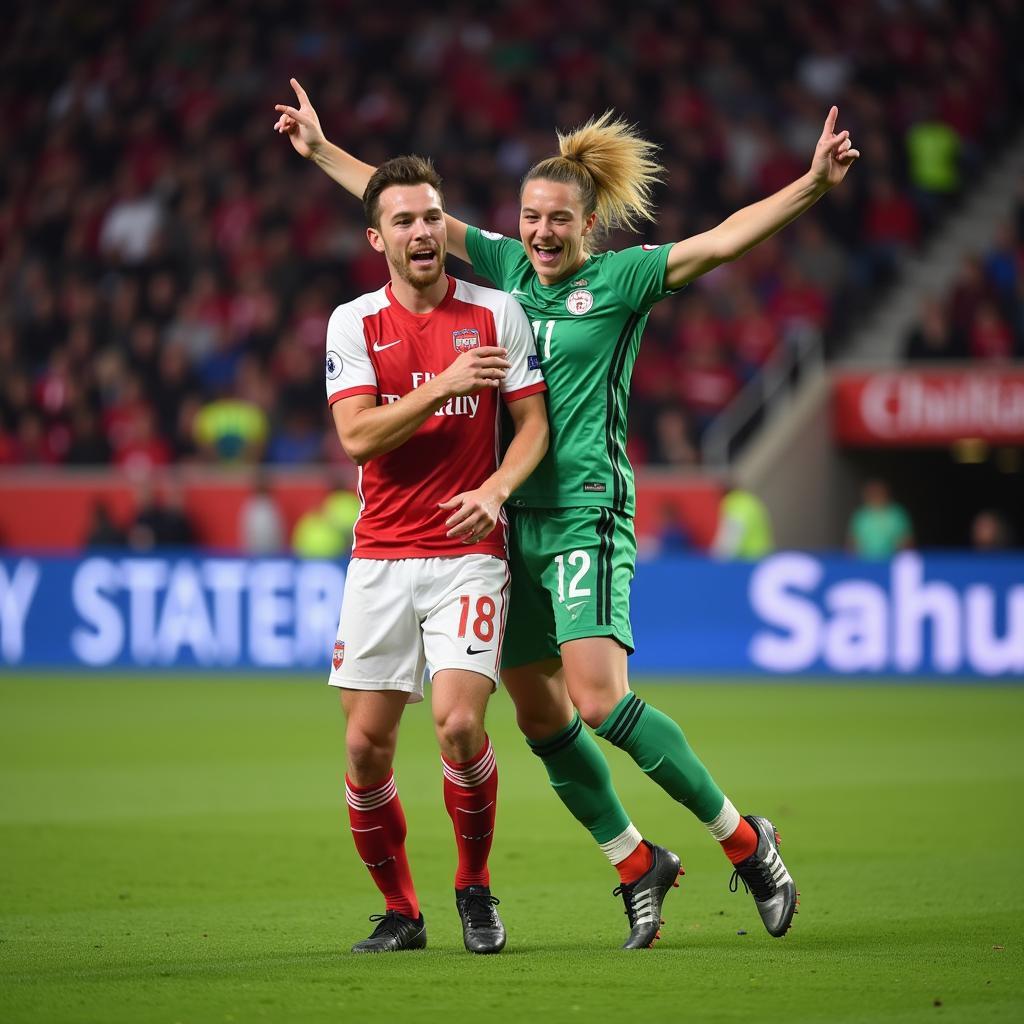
(401, 170)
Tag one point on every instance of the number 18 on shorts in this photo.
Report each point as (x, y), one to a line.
(401, 616)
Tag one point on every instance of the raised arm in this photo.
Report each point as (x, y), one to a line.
(302, 126)
(737, 234)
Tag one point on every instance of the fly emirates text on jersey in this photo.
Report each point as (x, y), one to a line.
(462, 405)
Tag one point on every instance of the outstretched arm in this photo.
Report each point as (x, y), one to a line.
(302, 126)
(833, 157)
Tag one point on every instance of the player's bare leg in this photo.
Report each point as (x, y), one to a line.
(541, 700)
(595, 671)
(376, 816)
(459, 701)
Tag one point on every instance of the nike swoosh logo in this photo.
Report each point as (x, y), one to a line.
(571, 608)
(378, 347)
(483, 650)
(516, 291)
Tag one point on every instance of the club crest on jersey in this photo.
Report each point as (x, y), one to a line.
(466, 340)
(579, 302)
(334, 365)
(339, 655)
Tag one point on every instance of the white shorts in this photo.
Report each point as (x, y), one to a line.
(400, 616)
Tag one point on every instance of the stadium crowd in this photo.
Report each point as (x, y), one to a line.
(167, 265)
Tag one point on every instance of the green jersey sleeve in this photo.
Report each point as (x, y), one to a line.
(637, 275)
(495, 257)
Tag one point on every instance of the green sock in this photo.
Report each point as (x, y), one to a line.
(579, 775)
(659, 747)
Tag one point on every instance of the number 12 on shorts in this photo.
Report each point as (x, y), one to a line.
(483, 620)
(580, 561)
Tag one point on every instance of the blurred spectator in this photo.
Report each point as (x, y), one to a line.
(87, 446)
(1003, 260)
(316, 536)
(990, 338)
(296, 440)
(231, 430)
(342, 508)
(754, 334)
(706, 384)
(891, 228)
(129, 230)
(934, 337)
(933, 148)
(160, 518)
(990, 532)
(744, 530)
(672, 443)
(672, 537)
(879, 527)
(103, 530)
(141, 449)
(261, 529)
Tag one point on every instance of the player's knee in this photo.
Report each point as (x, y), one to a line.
(594, 709)
(369, 756)
(460, 735)
(541, 723)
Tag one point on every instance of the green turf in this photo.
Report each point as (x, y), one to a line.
(175, 849)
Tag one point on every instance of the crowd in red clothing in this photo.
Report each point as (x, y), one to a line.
(162, 250)
(982, 316)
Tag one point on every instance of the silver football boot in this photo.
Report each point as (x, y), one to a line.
(765, 877)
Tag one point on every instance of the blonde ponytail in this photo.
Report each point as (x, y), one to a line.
(612, 166)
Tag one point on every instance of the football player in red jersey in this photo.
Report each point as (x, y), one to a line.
(414, 372)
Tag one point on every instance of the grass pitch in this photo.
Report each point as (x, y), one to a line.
(175, 849)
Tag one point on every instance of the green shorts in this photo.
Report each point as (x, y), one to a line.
(571, 572)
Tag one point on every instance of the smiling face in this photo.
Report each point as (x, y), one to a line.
(411, 234)
(553, 225)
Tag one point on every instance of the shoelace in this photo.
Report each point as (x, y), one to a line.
(479, 909)
(389, 924)
(756, 878)
(626, 892)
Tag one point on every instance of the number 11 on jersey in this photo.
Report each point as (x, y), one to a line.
(548, 328)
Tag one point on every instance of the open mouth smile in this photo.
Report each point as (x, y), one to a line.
(548, 253)
(423, 257)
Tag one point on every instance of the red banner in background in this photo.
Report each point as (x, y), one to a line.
(51, 509)
(929, 407)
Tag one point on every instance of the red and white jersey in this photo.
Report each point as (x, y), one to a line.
(375, 346)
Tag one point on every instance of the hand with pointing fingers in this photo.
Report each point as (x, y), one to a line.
(834, 154)
(300, 124)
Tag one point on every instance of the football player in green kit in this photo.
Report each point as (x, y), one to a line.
(572, 548)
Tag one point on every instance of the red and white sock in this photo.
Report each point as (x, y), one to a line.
(629, 854)
(471, 795)
(378, 827)
(735, 834)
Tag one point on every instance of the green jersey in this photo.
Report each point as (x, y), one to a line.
(588, 331)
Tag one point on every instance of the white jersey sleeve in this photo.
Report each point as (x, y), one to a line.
(348, 370)
(514, 333)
